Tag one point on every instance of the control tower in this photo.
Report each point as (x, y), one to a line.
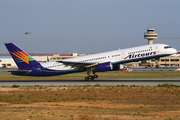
(150, 35)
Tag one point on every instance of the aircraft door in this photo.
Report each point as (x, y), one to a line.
(157, 49)
(123, 55)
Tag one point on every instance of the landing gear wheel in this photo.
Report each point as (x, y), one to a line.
(91, 77)
(157, 66)
(86, 78)
(95, 76)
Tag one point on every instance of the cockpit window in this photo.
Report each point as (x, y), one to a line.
(166, 47)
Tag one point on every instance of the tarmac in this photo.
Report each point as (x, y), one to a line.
(99, 81)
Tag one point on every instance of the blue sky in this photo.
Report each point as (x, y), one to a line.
(86, 26)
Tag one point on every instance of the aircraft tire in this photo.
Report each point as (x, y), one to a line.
(91, 77)
(156, 66)
(86, 78)
(95, 76)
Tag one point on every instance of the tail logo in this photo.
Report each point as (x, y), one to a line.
(21, 55)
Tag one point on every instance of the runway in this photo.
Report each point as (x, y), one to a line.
(102, 82)
(99, 81)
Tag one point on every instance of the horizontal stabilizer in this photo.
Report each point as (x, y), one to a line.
(20, 71)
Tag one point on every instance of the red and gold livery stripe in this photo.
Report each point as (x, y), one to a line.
(21, 55)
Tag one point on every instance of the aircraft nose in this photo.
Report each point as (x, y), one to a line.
(173, 51)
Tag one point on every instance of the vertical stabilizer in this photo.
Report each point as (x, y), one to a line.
(21, 58)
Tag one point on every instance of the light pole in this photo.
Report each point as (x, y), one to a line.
(27, 33)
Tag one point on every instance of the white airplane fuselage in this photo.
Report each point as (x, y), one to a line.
(117, 56)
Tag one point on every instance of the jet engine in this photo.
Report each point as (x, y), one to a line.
(103, 67)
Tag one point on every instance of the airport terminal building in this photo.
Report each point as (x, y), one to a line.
(173, 60)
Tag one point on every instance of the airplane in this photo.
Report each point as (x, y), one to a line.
(100, 62)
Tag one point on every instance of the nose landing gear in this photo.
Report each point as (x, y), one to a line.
(157, 65)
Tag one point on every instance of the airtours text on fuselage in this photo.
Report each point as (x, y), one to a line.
(140, 55)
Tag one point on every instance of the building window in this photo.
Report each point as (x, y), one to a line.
(8, 64)
(3, 65)
(167, 59)
(172, 59)
(152, 60)
(176, 60)
(0, 60)
(162, 59)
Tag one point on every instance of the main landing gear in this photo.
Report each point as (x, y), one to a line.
(90, 77)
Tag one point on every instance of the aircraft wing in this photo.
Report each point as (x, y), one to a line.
(79, 65)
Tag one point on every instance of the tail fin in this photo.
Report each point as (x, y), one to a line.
(21, 58)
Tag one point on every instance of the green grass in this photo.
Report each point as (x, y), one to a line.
(15, 86)
(168, 85)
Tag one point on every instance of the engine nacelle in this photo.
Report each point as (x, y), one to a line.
(103, 67)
